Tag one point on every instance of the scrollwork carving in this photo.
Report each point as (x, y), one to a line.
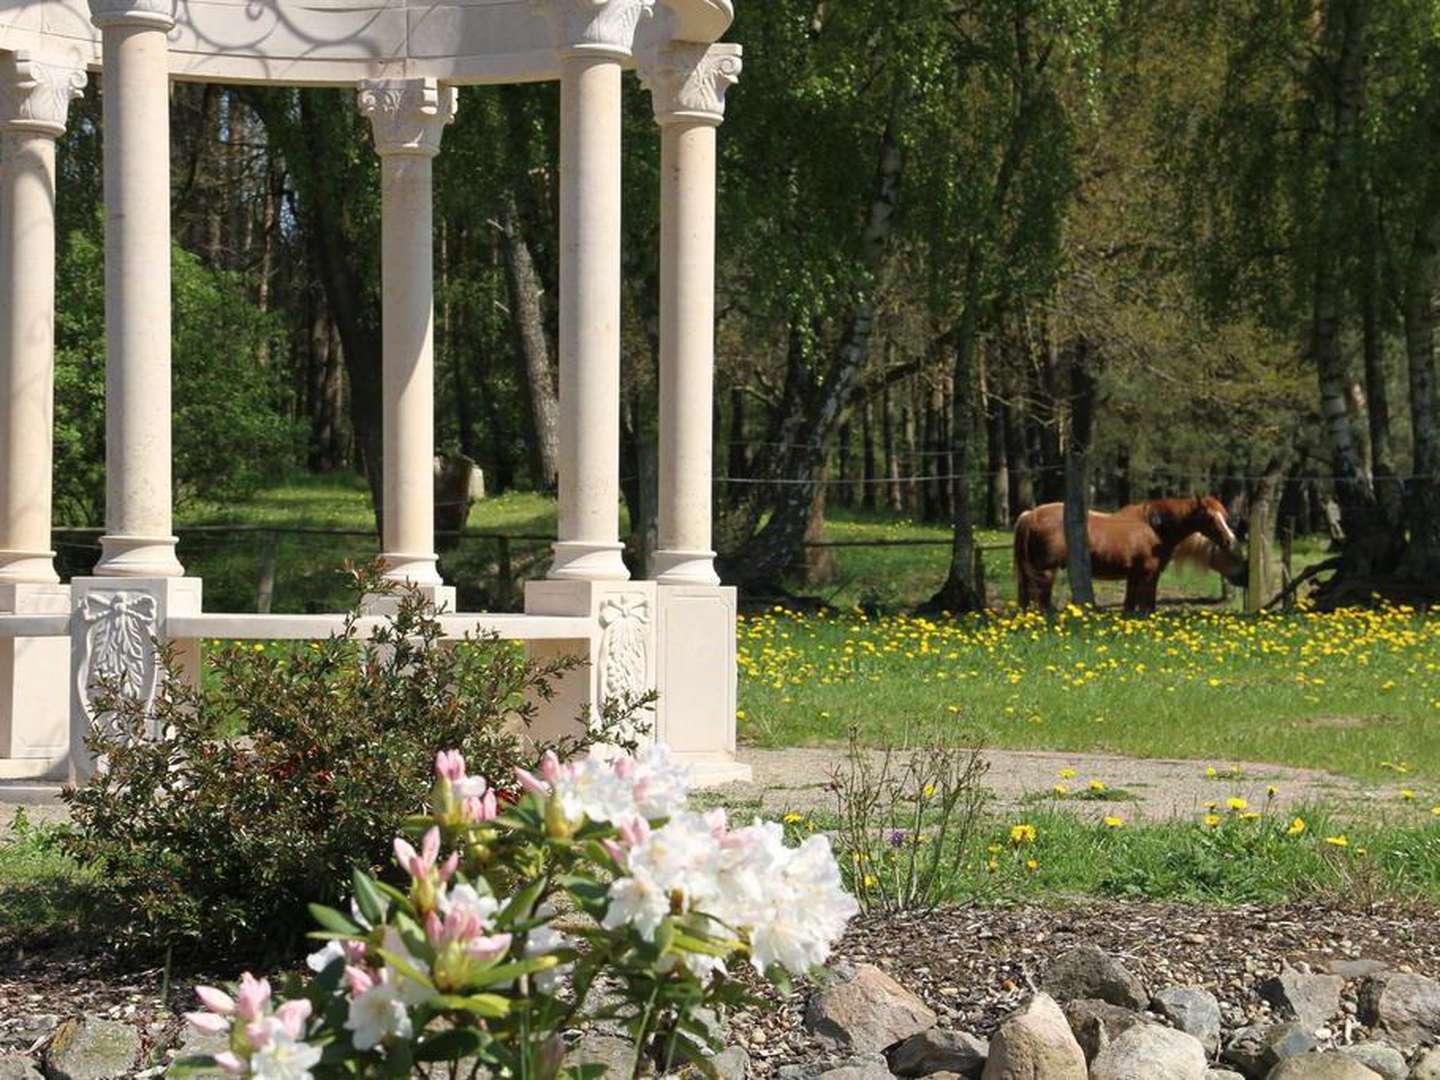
(624, 660)
(408, 116)
(37, 97)
(118, 645)
(689, 81)
(606, 26)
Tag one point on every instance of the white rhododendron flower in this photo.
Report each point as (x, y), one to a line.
(377, 1012)
(789, 902)
(611, 789)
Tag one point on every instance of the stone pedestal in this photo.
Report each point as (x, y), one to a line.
(34, 676)
(695, 675)
(114, 633)
(620, 656)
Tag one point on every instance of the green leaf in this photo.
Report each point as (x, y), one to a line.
(404, 967)
(194, 1065)
(513, 970)
(488, 1006)
(331, 919)
(522, 902)
(689, 943)
(367, 898)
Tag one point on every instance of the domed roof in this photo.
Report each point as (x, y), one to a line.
(339, 42)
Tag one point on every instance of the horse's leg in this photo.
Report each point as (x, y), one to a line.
(1148, 589)
(1044, 586)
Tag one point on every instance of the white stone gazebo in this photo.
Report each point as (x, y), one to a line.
(405, 57)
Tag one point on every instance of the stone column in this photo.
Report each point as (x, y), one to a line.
(136, 91)
(408, 117)
(687, 84)
(594, 37)
(695, 615)
(35, 96)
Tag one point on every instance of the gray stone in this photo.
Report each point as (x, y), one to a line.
(615, 1053)
(1035, 1043)
(1355, 969)
(28, 1029)
(1222, 1074)
(1405, 1007)
(1378, 1057)
(1427, 1066)
(865, 1011)
(18, 1067)
(935, 1051)
(865, 1067)
(1321, 1067)
(732, 1063)
(1149, 1050)
(1254, 1051)
(86, 1048)
(1095, 1023)
(1192, 1010)
(198, 1044)
(1091, 972)
(1311, 999)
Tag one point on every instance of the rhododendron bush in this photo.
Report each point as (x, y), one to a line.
(521, 907)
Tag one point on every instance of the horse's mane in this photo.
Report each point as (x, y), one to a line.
(1196, 550)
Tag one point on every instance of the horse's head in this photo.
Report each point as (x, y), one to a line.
(1212, 521)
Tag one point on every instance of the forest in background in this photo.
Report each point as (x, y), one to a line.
(973, 254)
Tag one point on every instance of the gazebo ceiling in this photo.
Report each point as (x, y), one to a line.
(339, 42)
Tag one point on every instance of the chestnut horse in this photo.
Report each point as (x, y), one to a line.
(1133, 545)
(1204, 554)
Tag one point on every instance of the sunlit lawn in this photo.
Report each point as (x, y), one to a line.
(1357, 693)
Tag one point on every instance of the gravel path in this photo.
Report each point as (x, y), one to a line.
(797, 779)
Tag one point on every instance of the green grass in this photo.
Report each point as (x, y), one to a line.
(42, 889)
(1357, 693)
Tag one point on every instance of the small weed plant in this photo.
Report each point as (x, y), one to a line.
(907, 817)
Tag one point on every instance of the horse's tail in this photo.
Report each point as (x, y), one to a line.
(1023, 593)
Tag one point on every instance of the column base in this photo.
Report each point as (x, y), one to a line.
(28, 568)
(577, 561)
(677, 567)
(113, 635)
(138, 557)
(417, 571)
(34, 676)
(695, 676)
(441, 596)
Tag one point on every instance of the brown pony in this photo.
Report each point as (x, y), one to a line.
(1133, 545)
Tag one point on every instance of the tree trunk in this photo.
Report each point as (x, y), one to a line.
(532, 347)
(1017, 453)
(765, 557)
(1264, 501)
(894, 497)
(1388, 491)
(847, 487)
(1348, 20)
(1077, 475)
(998, 463)
(1422, 278)
(739, 463)
(871, 478)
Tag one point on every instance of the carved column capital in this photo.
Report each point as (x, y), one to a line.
(35, 94)
(687, 81)
(595, 26)
(156, 14)
(408, 116)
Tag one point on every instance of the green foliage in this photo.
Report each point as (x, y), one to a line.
(43, 892)
(229, 426)
(263, 787)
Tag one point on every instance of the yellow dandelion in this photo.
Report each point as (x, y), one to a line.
(1338, 841)
(1022, 834)
(1032, 864)
(1061, 789)
(1097, 786)
(1407, 794)
(1113, 822)
(870, 881)
(1296, 827)
(793, 818)
(1237, 804)
(1068, 774)
(1211, 820)
(1210, 772)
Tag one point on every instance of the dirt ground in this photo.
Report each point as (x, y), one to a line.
(797, 780)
